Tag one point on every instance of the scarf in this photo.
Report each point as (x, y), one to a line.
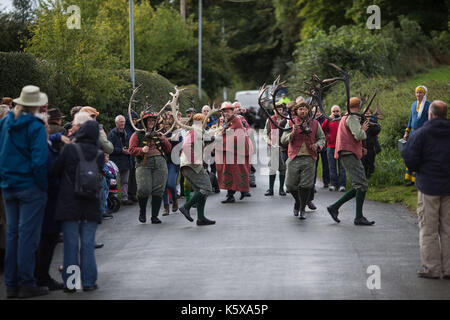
(421, 105)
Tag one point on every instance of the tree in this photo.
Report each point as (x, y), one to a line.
(429, 14)
(14, 31)
(83, 68)
(321, 15)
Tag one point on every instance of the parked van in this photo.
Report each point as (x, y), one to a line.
(247, 98)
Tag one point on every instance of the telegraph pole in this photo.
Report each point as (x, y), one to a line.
(183, 9)
(131, 44)
(199, 49)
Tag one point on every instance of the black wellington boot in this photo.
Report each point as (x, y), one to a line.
(142, 209)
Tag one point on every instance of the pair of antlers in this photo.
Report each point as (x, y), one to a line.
(316, 87)
(277, 87)
(174, 107)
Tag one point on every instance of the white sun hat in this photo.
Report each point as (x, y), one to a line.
(31, 96)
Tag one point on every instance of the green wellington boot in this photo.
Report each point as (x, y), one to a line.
(201, 219)
(333, 209)
(360, 220)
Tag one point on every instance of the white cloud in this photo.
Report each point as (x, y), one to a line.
(6, 5)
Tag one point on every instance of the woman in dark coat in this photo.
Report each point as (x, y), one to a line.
(79, 216)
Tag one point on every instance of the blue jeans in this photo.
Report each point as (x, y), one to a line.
(337, 178)
(172, 176)
(24, 215)
(73, 231)
(104, 196)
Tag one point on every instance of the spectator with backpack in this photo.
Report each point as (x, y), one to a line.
(79, 167)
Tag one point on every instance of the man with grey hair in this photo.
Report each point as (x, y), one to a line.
(78, 120)
(206, 109)
(337, 171)
(427, 152)
(121, 156)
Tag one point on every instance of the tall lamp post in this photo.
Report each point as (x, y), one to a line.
(199, 49)
(131, 44)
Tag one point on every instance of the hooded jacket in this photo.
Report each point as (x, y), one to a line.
(70, 207)
(23, 152)
(428, 153)
(120, 140)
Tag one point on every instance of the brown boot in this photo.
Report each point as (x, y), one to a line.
(166, 210)
(174, 205)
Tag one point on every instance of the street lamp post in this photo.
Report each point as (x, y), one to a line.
(199, 49)
(131, 44)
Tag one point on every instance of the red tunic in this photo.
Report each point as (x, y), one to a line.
(345, 141)
(299, 138)
(236, 148)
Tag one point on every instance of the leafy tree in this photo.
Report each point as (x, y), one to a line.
(83, 68)
(289, 24)
(321, 15)
(14, 29)
(429, 14)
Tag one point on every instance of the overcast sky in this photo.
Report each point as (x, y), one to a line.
(6, 4)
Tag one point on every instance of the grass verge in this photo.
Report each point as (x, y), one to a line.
(394, 194)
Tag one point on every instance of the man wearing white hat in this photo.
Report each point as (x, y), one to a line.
(23, 180)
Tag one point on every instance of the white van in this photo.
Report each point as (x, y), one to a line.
(249, 98)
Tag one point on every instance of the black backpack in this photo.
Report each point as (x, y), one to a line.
(87, 176)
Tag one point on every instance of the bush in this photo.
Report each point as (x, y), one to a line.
(21, 69)
(389, 168)
(390, 51)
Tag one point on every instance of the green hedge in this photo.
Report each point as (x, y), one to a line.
(20, 69)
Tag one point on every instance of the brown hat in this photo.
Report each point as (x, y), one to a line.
(226, 105)
(6, 100)
(90, 110)
(54, 114)
(355, 102)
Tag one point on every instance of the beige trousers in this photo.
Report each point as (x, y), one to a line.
(434, 233)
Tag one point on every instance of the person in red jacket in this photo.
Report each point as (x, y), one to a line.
(233, 150)
(350, 150)
(337, 173)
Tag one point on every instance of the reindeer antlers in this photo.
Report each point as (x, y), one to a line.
(129, 109)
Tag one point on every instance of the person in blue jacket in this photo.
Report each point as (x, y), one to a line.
(417, 118)
(23, 180)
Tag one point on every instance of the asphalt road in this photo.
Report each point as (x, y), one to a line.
(259, 250)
